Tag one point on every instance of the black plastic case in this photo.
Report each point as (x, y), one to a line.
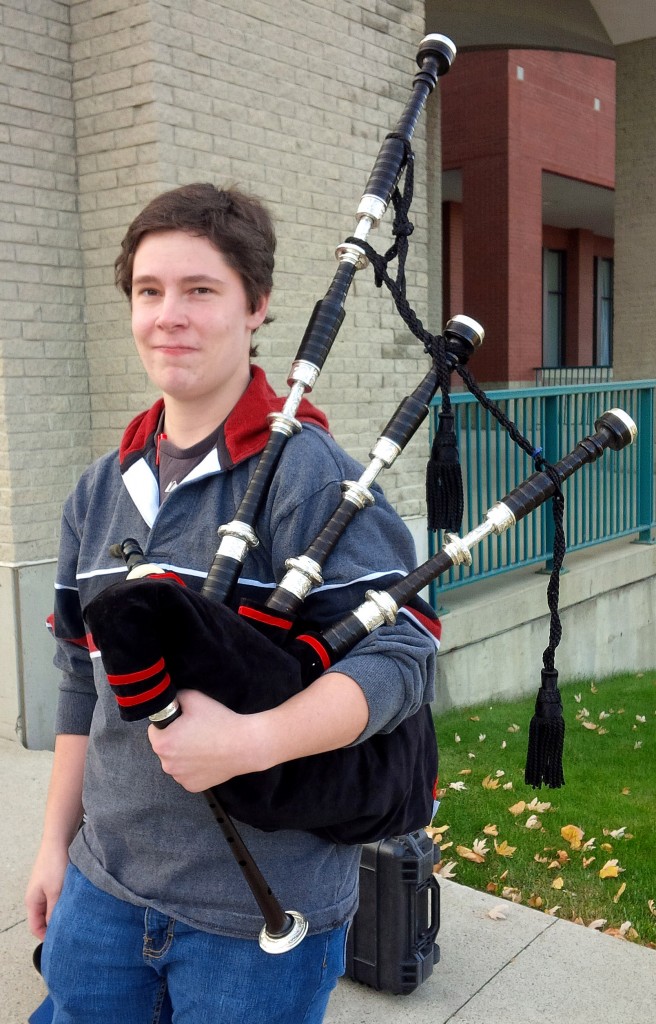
(391, 945)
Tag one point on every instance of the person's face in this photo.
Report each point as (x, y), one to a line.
(191, 319)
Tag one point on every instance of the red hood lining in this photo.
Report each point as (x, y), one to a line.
(246, 429)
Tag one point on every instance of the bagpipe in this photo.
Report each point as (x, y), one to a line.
(157, 636)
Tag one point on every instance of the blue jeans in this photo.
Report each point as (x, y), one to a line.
(108, 961)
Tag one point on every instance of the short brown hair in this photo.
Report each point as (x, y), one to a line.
(237, 224)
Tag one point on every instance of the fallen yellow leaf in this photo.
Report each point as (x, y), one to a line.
(537, 805)
(436, 832)
(533, 822)
(589, 725)
(611, 869)
(599, 923)
(587, 861)
(467, 854)
(573, 835)
(503, 849)
(465, 771)
(491, 887)
(518, 808)
(491, 830)
(446, 869)
(510, 893)
(607, 847)
(652, 907)
(557, 883)
(619, 892)
(497, 914)
(535, 901)
(490, 783)
(480, 846)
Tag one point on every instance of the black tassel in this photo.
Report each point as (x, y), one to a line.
(444, 496)
(544, 758)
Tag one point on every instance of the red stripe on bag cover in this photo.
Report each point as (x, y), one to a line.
(317, 646)
(141, 698)
(167, 576)
(265, 617)
(137, 677)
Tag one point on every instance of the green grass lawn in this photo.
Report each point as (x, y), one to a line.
(610, 787)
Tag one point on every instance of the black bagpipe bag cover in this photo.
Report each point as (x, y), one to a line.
(378, 788)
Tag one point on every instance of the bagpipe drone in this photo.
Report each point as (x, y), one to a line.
(157, 636)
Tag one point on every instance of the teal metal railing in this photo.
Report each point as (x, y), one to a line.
(614, 497)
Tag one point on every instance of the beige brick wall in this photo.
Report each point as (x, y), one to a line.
(44, 404)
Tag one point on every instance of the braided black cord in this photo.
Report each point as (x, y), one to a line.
(559, 549)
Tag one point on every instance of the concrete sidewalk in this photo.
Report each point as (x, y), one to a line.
(526, 969)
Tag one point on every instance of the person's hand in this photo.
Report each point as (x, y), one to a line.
(44, 886)
(208, 744)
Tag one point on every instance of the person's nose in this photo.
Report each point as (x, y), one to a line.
(171, 313)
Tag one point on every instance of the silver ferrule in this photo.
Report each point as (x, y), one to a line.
(363, 227)
(371, 207)
(457, 550)
(302, 575)
(283, 424)
(501, 517)
(145, 569)
(386, 450)
(348, 252)
(166, 713)
(283, 943)
(236, 540)
(378, 610)
(302, 377)
(357, 493)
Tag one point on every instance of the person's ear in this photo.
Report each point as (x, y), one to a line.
(258, 315)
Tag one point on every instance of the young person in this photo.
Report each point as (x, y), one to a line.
(144, 913)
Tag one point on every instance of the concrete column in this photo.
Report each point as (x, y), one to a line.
(634, 354)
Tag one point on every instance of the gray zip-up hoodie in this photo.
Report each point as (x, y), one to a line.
(145, 839)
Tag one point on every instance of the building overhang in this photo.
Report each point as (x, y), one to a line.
(593, 27)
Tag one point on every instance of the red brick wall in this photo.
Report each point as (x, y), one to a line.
(502, 133)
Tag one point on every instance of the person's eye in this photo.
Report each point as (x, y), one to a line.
(147, 292)
(203, 290)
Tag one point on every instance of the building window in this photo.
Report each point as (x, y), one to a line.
(553, 307)
(603, 324)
